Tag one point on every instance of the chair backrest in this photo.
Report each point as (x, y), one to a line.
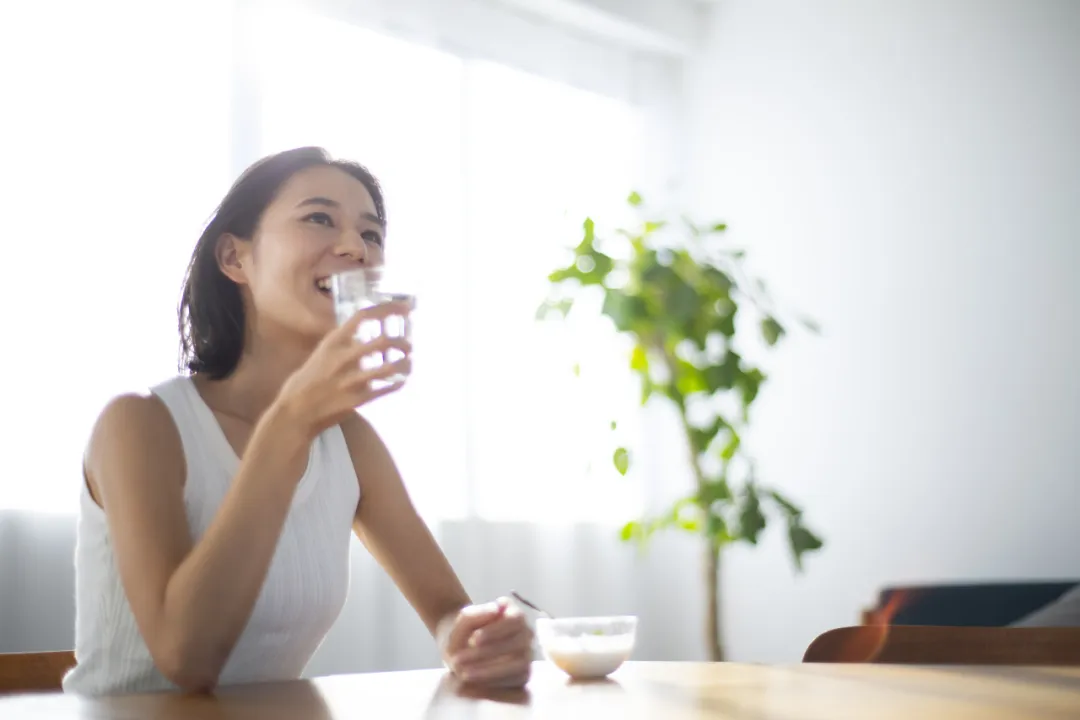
(964, 604)
(34, 672)
(931, 645)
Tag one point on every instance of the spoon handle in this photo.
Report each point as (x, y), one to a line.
(514, 594)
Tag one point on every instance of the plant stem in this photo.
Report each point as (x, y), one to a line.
(712, 619)
(712, 547)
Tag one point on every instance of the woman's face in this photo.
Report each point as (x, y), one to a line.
(323, 221)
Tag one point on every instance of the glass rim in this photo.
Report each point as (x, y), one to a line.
(589, 619)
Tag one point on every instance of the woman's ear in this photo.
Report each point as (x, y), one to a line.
(232, 256)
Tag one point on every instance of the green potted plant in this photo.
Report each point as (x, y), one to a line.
(682, 297)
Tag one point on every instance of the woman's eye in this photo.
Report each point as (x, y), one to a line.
(320, 218)
(373, 237)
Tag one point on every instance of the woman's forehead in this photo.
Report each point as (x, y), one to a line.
(327, 182)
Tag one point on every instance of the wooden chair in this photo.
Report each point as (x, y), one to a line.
(34, 672)
(932, 645)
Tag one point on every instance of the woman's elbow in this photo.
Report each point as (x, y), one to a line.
(187, 669)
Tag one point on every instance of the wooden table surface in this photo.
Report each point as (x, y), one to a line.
(667, 691)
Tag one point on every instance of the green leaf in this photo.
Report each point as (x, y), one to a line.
(651, 226)
(802, 541)
(682, 301)
(716, 528)
(691, 525)
(719, 282)
(647, 389)
(751, 520)
(590, 232)
(630, 530)
(639, 359)
(749, 384)
(684, 515)
(689, 379)
(614, 424)
(718, 227)
(713, 491)
(621, 458)
(702, 438)
(634, 199)
(624, 310)
(789, 508)
(724, 375)
(562, 307)
(771, 330)
(576, 369)
(732, 445)
(562, 274)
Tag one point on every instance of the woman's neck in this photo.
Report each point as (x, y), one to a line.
(257, 380)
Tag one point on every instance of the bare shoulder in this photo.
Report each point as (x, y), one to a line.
(133, 433)
(371, 458)
(359, 432)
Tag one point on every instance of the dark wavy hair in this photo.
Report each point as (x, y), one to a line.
(211, 312)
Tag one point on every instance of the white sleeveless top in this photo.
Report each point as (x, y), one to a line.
(301, 597)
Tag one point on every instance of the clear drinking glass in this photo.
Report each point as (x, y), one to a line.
(359, 289)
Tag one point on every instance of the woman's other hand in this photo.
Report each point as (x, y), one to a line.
(489, 644)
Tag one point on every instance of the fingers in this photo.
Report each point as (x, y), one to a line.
(401, 366)
(385, 390)
(504, 671)
(518, 644)
(511, 623)
(382, 344)
(358, 390)
(468, 621)
(375, 312)
(498, 653)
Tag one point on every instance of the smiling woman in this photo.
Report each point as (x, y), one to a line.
(211, 309)
(213, 539)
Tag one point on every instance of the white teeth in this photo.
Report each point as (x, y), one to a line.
(323, 283)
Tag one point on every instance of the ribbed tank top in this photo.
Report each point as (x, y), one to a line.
(301, 597)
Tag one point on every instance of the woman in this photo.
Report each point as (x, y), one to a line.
(215, 515)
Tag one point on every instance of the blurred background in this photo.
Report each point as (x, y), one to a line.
(906, 173)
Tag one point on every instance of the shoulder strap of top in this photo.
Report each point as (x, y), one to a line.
(203, 442)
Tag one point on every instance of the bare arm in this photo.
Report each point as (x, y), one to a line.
(488, 644)
(388, 524)
(191, 600)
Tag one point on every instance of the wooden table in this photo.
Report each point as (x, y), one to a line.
(666, 691)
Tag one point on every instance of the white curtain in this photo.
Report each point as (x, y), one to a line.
(490, 160)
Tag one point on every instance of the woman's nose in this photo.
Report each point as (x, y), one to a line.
(353, 246)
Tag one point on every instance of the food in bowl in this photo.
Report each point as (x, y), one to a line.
(587, 647)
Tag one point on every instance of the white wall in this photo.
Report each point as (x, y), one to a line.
(909, 173)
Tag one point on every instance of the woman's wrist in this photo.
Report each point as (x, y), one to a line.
(281, 429)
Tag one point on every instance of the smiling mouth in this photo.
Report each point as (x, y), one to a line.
(323, 286)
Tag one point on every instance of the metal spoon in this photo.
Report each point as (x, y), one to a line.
(537, 608)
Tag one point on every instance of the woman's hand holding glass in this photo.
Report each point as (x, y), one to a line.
(335, 380)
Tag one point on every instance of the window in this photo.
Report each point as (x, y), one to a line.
(488, 173)
(114, 158)
(542, 156)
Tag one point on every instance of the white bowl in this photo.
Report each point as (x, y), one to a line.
(587, 647)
